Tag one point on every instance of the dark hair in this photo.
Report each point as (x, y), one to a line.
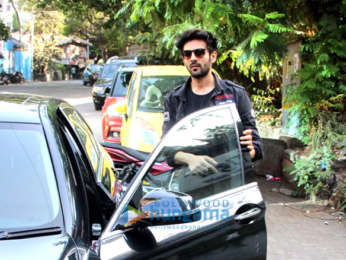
(197, 34)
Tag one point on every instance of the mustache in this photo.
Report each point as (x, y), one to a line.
(195, 64)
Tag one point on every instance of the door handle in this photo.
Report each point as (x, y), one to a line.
(249, 214)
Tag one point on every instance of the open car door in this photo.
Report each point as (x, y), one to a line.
(182, 214)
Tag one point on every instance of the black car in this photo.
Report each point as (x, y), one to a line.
(91, 73)
(52, 205)
(57, 190)
(104, 83)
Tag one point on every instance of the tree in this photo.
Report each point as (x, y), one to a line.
(92, 20)
(4, 32)
(18, 19)
(48, 32)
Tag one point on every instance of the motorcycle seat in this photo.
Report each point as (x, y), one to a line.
(142, 156)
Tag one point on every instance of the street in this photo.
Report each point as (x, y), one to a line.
(296, 229)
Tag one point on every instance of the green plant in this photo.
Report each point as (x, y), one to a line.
(327, 142)
(312, 172)
(322, 76)
(343, 200)
(262, 101)
(4, 32)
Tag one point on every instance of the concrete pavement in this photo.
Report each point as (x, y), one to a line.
(300, 230)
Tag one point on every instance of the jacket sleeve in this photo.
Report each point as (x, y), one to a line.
(248, 120)
(168, 115)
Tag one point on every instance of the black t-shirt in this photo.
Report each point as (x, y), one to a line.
(196, 102)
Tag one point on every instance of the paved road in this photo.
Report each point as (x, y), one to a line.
(296, 229)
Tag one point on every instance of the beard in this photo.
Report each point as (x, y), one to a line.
(200, 72)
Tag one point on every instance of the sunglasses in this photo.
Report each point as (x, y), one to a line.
(199, 53)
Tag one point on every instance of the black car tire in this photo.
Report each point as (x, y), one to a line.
(97, 106)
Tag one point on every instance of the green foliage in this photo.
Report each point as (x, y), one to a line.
(343, 200)
(262, 101)
(322, 77)
(328, 142)
(308, 172)
(48, 32)
(262, 49)
(4, 32)
(252, 35)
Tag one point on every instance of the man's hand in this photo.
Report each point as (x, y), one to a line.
(198, 164)
(246, 139)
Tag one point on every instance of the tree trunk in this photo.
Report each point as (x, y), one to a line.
(18, 19)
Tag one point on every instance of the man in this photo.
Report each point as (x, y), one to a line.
(204, 89)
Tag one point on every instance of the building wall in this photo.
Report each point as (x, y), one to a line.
(71, 51)
(16, 59)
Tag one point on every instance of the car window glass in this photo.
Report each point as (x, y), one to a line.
(109, 70)
(154, 89)
(213, 135)
(121, 84)
(84, 135)
(131, 91)
(28, 189)
(76, 175)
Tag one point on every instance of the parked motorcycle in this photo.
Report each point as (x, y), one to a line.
(17, 77)
(127, 161)
(4, 78)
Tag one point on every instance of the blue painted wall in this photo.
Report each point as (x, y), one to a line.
(22, 60)
(23, 63)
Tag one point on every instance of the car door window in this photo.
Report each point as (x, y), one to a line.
(213, 135)
(77, 175)
(84, 134)
(121, 83)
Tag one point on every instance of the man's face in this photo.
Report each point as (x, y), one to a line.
(196, 61)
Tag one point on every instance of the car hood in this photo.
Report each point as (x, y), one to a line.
(42, 247)
(103, 82)
(150, 125)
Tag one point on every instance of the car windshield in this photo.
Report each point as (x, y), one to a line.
(28, 191)
(121, 83)
(108, 70)
(154, 89)
(96, 68)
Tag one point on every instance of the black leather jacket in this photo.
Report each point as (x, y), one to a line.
(225, 91)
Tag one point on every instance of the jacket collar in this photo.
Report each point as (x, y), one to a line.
(181, 92)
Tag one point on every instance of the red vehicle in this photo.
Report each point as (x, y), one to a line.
(111, 119)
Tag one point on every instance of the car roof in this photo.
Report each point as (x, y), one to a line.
(117, 61)
(127, 68)
(23, 108)
(157, 70)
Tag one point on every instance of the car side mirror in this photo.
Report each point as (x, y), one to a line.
(107, 90)
(161, 207)
(122, 109)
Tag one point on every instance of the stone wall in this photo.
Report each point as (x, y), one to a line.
(273, 152)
